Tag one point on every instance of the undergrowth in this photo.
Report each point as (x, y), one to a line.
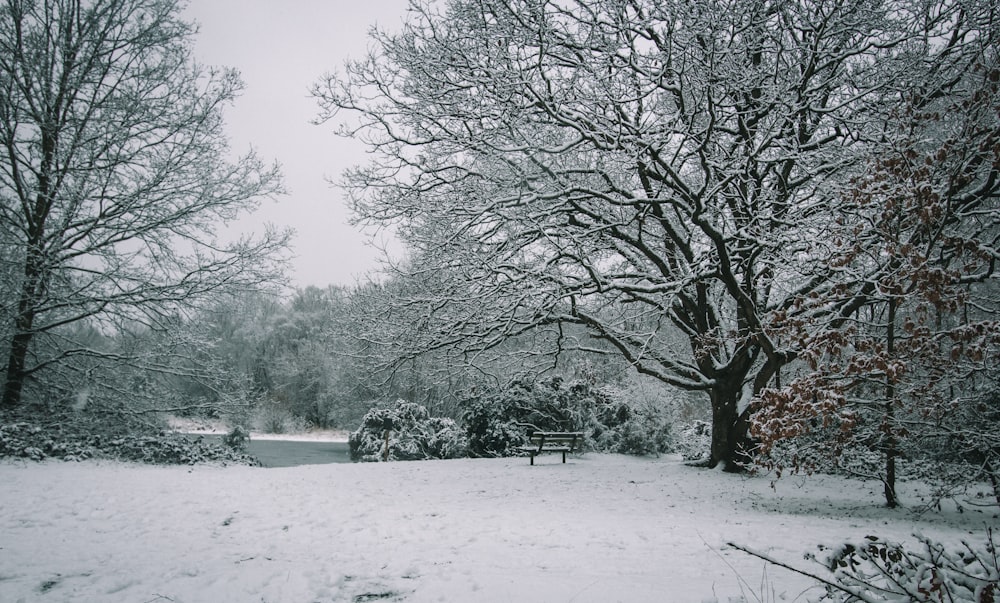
(74, 436)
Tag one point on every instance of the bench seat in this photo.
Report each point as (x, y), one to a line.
(553, 441)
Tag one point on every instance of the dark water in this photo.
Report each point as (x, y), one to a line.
(286, 453)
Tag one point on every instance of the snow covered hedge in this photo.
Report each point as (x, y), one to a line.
(406, 432)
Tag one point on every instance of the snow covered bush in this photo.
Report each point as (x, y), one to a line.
(238, 438)
(951, 453)
(693, 440)
(881, 571)
(498, 424)
(625, 426)
(274, 417)
(77, 435)
(406, 432)
(171, 449)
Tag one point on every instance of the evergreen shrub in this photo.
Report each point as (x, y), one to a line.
(406, 432)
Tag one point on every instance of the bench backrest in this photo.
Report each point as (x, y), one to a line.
(572, 439)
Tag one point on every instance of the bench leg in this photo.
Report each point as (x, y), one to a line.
(564, 457)
(532, 458)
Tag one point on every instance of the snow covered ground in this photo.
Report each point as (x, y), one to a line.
(599, 528)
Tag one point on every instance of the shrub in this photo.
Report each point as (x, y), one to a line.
(273, 417)
(626, 426)
(238, 438)
(497, 425)
(406, 432)
(643, 435)
(694, 440)
(878, 570)
(78, 435)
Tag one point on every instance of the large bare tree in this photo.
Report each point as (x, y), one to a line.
(665, 173)
(114, 176)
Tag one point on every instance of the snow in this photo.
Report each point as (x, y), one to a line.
(208, 427)
(599, 528)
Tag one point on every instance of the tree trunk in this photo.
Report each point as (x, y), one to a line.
(32, 288)
(35, 275)
(730, 429)
(891, 445)
(18, 355)
(14, 382)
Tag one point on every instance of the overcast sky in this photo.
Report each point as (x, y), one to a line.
(281, 47)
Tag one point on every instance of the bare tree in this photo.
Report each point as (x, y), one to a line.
(434, 353)
(910, 371)
(664, 173)
(114, 175)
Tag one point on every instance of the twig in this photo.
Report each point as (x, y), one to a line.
(842, 588)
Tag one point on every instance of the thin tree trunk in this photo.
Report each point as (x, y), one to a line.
(991, 475)
(891, 445)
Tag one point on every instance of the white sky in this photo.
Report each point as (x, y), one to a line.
(281, 47)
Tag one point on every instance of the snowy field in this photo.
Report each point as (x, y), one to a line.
(599, 528)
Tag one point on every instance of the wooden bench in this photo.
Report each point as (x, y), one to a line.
(553, 441)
